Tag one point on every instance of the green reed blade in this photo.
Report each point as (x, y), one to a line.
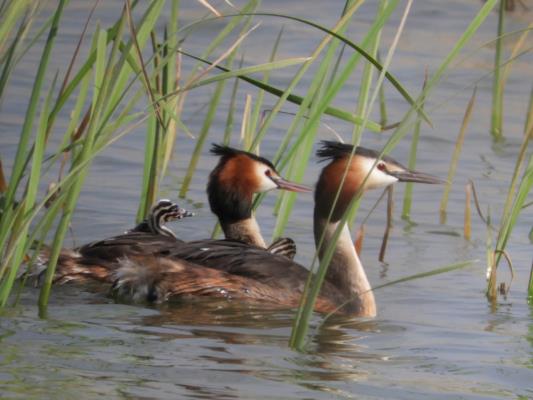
(77, 49)
(3, 183)
(39, 150)
(530, 285)
(332, 32)
(29, 199)
(308, 116)
(144, 27)
(383, 102)
(529, 116)
(76, 112)
(237, 73)
(10, 17)
(73, 121)
(258, 117)
(150, 148)
(155, 127)
(218, 40)
(74, 124)
(32, 108)
(138, 52)
(246, 136)
(8, 59)
(103, 86)
(456, 153)
(99, 93)
(492, 43)
(506, 68)
(509, 221)
(335, 87)
(405, 125)
(336, 66)
(339, 82)
(202, 136)
(18, 165)
(295, 99)
(210, 116)
(490, 273)
(256, 114)
(411, 163)
(120, 74)
(22, 149)
(214, 45)
(228, 128)
(62, 189)
(172, 76)
(286, 95)
(314, 282)
(112, 34)
(497, 85)
(372, 45)
(366, 78)
(299, 333)
(311, 108)
(37, 35)
(514, 202)
(127, 66)
(528, 135)
(467, 225)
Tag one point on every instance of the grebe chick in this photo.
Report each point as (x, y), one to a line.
(247, 273)
(283, 247)
(162, 212)
(73, 264)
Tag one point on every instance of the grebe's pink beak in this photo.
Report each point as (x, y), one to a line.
(290, 186)
(415, 176)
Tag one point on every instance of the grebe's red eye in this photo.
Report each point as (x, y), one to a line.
(381, 166)
(268, 173)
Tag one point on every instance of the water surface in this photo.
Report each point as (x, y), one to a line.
(434, 338)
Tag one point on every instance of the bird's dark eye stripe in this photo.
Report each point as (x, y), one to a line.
(164, 212)
(161, 210)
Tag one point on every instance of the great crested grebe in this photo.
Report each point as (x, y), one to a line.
(235, 271)
(231, 187)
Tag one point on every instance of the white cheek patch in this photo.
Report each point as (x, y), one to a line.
(265, 183)
(377, 178)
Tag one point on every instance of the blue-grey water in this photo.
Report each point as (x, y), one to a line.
(434, 338)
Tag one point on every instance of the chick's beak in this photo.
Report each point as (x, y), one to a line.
(184, 213)
(180, 213)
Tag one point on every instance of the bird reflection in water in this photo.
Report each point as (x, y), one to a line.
(333, 355)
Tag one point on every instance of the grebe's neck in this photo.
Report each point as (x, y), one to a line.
(246, 230)
(232, 203)
(345, 270)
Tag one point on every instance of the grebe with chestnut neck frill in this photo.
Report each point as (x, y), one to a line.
(235, 271)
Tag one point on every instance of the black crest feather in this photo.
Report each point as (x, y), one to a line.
(331, 150)
(228, 152)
